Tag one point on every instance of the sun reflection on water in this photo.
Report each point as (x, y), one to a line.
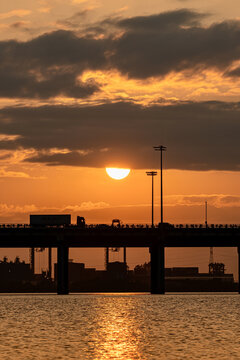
(117, 332)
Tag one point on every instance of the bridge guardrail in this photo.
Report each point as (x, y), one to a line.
(128, 226)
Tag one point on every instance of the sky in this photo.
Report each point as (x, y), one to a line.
(86, 85)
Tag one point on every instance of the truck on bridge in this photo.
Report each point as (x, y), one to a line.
(50, 220)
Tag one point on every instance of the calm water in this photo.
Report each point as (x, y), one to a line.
(129, 326)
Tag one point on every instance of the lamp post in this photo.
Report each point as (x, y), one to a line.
(152, 174)
(161, 148)
(206, 224)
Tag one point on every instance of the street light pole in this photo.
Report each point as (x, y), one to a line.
(152, 174)
(161, 148)
(206, 223)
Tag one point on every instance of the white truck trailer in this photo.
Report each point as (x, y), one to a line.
(50, 220)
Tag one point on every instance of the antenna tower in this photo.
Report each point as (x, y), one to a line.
(206, 224)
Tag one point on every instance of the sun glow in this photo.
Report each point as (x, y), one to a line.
(117, 174)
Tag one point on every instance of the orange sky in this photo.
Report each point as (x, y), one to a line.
(98, 83)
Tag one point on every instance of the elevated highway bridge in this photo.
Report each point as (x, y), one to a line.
(102, 236)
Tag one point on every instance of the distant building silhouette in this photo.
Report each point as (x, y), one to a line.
(17, 276)
(188, 278)
(14, 271)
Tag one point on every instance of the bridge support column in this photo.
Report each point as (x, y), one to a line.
(106, 258)
(157, 269)
(32, 260)
(238, 270)
(62, 270)
(124, 256)
(50, 263)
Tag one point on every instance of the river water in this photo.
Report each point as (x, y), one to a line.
(120, 326)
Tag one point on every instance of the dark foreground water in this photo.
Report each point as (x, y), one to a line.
(120, 326)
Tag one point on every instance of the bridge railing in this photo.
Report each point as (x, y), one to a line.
(129, 226)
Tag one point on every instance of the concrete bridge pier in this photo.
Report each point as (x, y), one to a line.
(157, 269)
(238, 269)
(62, 270)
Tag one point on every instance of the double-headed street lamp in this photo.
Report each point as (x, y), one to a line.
(152, 174)
(161, 148)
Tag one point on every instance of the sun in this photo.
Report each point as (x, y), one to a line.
(117, 174)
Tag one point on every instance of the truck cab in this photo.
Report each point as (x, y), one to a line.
(81, 221)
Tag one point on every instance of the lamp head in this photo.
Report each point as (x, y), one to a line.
(151, 173)
(160, 148)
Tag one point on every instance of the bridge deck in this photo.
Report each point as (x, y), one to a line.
(118, 237)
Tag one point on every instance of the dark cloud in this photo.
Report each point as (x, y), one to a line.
(19, 25)
(49, 66)
(155, 45)
(164, 21)
(55, 82)
(173, 42)
(199, 136)
(233, 73)
(74, 21)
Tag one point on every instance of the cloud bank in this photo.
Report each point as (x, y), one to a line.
(141, 47)
(199, 136)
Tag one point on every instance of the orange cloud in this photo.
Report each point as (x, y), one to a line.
(13, 174)
(209, 85)
(86, 206)
(17, 13)
(17, 174)
(216, 200)
(79, 1)
(44, 10)
(6, 137)
(12, 210)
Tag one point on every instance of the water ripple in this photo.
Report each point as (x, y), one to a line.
(119, 326)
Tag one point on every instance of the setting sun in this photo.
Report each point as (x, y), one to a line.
(117, 174)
